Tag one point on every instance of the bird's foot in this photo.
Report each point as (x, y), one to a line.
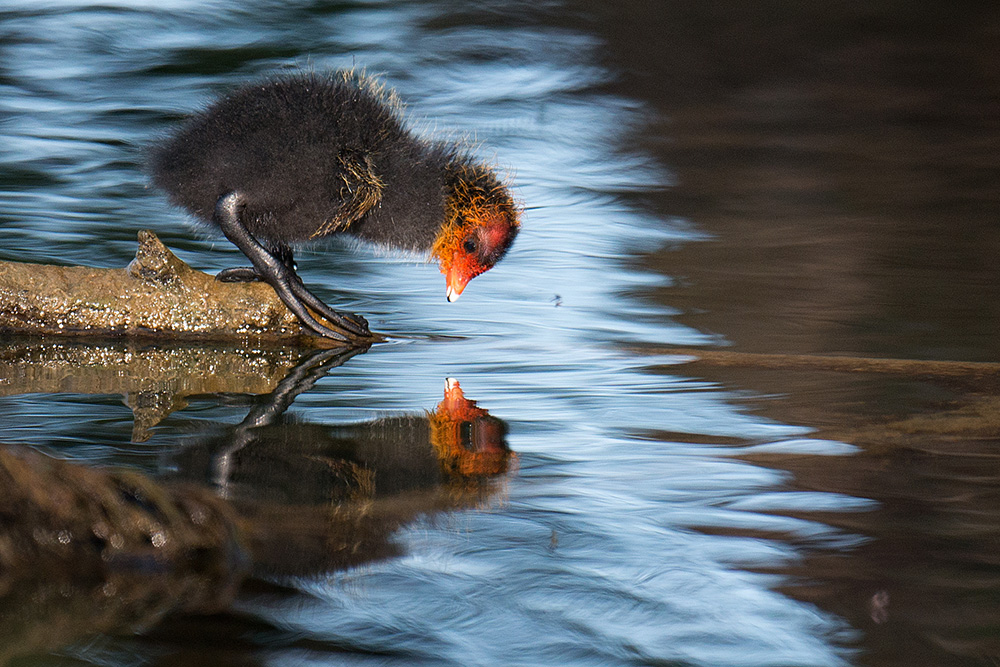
(276, 267)
(295, 295)
(355, 324)
(238, 274)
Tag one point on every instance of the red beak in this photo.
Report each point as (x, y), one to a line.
(456, 283)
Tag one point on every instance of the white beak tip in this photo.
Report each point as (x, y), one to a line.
(453, 295)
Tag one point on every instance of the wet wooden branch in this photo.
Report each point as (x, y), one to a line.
(981, 371)
(157, 295)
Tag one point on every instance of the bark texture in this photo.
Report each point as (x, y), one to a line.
(156, 295)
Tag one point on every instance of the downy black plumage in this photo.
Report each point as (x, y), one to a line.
(300, 157)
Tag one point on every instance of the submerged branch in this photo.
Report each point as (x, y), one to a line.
(967, 370)
(84, 550)
(157, 295)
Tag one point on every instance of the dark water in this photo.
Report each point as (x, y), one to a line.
(779, 178)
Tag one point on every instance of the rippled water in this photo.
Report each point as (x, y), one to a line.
(769, 180)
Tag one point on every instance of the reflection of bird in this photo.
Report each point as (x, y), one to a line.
(319, 496)
(469, 441)
(305, 156)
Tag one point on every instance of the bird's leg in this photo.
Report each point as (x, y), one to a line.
(281, 276)
(284, 254)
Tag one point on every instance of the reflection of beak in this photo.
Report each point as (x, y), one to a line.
(455, 406)
(456, 283)
(452, 392)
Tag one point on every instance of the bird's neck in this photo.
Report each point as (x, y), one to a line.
(411, 212)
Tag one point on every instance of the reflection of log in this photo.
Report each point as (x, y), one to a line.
(85, 550)
(155, 379)
(157, 295)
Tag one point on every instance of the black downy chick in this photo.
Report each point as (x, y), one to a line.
(300, 157)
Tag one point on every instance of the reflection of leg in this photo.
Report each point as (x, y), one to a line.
(280, 275)
(306, 373)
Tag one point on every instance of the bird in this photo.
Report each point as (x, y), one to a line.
(296, 157)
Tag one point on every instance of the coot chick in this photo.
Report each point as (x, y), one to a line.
(305, 156)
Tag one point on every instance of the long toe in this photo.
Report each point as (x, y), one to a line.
(360, 323)
(238, 274)
(349, 321)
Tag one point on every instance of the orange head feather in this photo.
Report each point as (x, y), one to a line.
(481, 221)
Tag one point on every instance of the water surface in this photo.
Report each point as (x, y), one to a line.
(774, 179)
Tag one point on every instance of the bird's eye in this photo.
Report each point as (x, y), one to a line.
(470, 246)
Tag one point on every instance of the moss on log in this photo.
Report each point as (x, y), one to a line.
(156, 295)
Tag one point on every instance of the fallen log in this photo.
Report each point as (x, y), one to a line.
(157, 295)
